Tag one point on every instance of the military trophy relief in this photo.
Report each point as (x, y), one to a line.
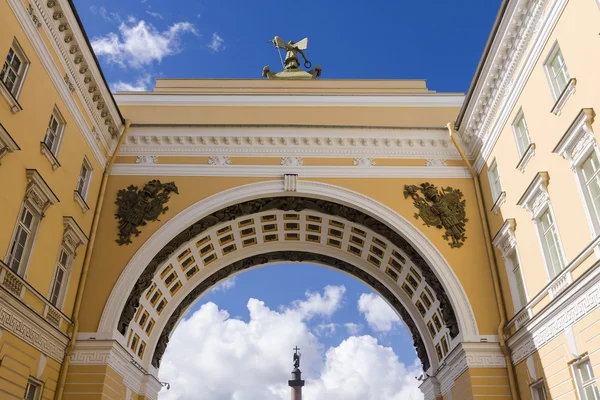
(443, 208)
(137, 207)
(291, 62)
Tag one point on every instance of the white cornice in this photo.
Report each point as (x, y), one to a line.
(519, 42)
(49, 64)
(278, 171)
(153, 99)
(286, 141)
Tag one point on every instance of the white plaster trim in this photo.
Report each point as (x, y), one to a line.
(14, 105)
(469, 355)
(7, 143)
(177, 100)
(536, 198)
(111, 353)
(457, 296)
(251, 141)
(73, 236)
(505, 238)
(303, 171)
(38, 192)
(498, 203)
(46, 152)
(48, 62)
(574, 303)
(31, 328)
(507, 97)
(564, 96)
(578, 137)
(146, 160)
(528, 155)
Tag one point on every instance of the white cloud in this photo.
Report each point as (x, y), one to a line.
(353, 329)
(139, 43)
(225, 285)
(154, 14)
(107, 16)
(217, 44)
(141, 84)
(325, 305)
(378, 314)
(326, 329)
(230, 359)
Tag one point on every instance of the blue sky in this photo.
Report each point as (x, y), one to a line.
(440, 41)
(236, 341)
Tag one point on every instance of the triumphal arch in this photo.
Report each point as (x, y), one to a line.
(358, 176)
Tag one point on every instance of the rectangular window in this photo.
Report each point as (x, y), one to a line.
(54, 132)
(586, 382)
(556, 68)
(33, 391)
(550, 243)
(521, 133)
(519, 283)
(13, 69)
(59, 277)
(83, 182)
(494, 179)
(21, 243)
(539, 391)
(590, 169)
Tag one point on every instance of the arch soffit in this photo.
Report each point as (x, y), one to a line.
(316, 190)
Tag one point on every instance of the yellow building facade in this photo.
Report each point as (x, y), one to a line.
(496, 278)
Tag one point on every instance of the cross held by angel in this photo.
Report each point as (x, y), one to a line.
(291, 52)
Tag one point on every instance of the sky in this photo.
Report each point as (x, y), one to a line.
(236, 342)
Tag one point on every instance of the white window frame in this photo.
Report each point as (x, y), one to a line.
(556, 91)
(66, 269)
(576, 145)
(32, 231)
(579, 383)
(60, 130)
(494, 179)
(37, 386)
(505, 241)
(536, 200)
(526, 153)
(86, 180)
(535, 390)
(18, 51)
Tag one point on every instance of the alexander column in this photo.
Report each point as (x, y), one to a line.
(296, 383)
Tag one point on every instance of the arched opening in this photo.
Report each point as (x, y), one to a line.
(259, 224)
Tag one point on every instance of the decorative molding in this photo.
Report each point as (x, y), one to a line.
(536, 198)
(73, 235)
(436, 163)
(363, 162)
(80, 201)
(69, 83)
(38, 192)
(469, 355)
(340, 142)
(430, 387)
(46, 152)
(498, 203)
(196, 100)
(7, 143)
(564, 96)
(219, 160)
(276, 171)
(578, 138)
(14, 105)
(528, 155)
(25, 324)
(290, 182)
(34, 18)
(505, 238)
(146, 160)
(574, 303)
(292, 161)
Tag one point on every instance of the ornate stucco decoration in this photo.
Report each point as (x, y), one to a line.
(7, 143)
(38, 193)
(444, 209)
(34, 17)
(363, 162)
(579, 139)
(73, 235)
(146, 160)
(219, 160)
(290, 256)
(536, 198)
(436, 162)
(292, 161)
(137, 207)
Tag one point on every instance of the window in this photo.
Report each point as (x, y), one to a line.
(21, 244)
(83, 181)
(539, 391)
(558, 75)
(59, 277)
(33, 391)
(494, 179)
(586, 383)
(550, 242)
(54, 132)
(13, 70)
(521, 134)
(521, 294)
(590, 169)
